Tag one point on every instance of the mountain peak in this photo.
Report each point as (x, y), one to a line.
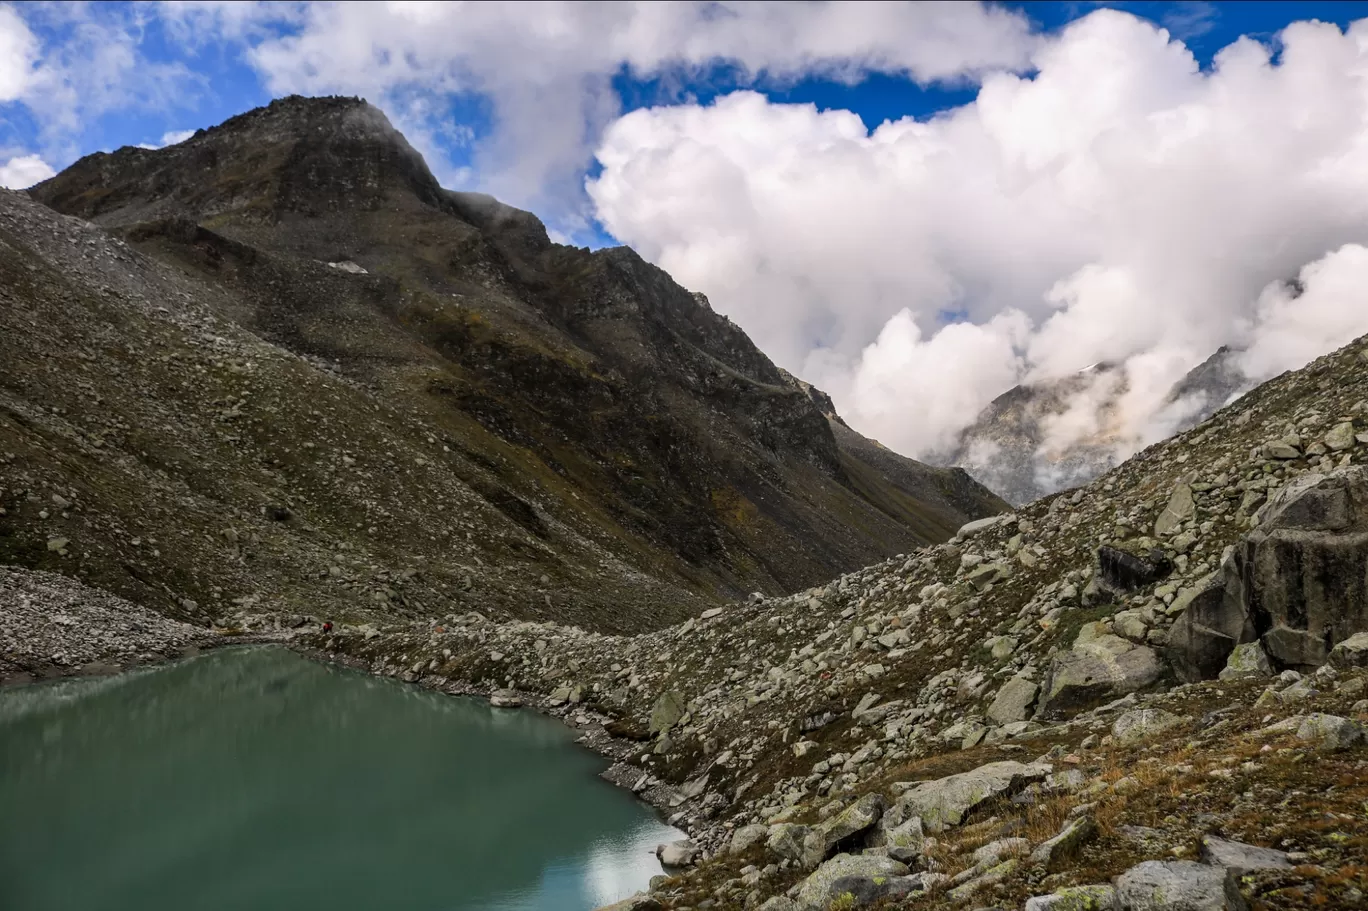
(295, 155)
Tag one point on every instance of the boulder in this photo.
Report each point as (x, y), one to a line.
(1096, 671)
(1340, 437)
(1212, 621)
(746, 836)
(1123, 570)
(1306, 565)
(1352, 652)
(1247, 660)
(1295, 648)
(1013, 701)
(1298, 582)
(946, 801)
(668, 709)
(1240, 857)
(1141, 724)
(1178, 885)
(505, 699)
(1129, 624)
(1180, 508)
(1330, 732)
(1061, 847)
(969, 529)
(1002, 647)
(906, 835)
(983, 576)
(1281, 450)
(1075, 898)
(789, 841)
(853, 880)
(682, 853)
(854, 819)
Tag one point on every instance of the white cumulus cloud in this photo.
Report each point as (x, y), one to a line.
(1120, 204)
(18, 53)
(546, 69)
(24, 171)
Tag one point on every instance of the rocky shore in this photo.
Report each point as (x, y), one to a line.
(1170, 658)
(1148, 693)
(53, 626)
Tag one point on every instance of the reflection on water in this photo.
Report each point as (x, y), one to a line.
(252, 778)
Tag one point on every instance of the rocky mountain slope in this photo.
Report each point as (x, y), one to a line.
(1011, 449)
(1149, 693)
(277, 366)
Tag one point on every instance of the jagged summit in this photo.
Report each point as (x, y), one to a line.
(296, 155)
(1008, 447)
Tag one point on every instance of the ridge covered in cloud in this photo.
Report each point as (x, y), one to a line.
(1119, 205)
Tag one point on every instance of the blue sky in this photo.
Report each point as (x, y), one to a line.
(891, 199)
(196, 72)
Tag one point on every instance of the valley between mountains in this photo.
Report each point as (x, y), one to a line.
(275, 376)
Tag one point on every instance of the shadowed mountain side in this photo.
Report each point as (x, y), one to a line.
(614, 452)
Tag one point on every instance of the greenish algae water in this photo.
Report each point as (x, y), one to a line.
(254, 779)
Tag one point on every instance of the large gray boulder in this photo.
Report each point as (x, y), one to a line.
(1178, 885)
(1298, 582)
(1098, 670)
(1212, 621)
(1180, 508)
(854, 819)
(1141, 724)
(1352, 652)
(1014, 701)
(1240, 857)
(1330, 732)
(1247, 660)
(1123, 569)
(668, 709)
(746, 836)
(946, 801)
(854, 880)
(790, 841)
(682, 853)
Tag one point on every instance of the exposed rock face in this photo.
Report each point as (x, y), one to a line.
(1241, 858)
(1014, 701)
(1179, 885)
(1008, 447)
(945, 802)
(1120, 570)
(852, 881)
(1005, 448)
(1142, 724)
(1095, 671)
(1298, 582)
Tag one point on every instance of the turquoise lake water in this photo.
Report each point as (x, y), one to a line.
(254, 779)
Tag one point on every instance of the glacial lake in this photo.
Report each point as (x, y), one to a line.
(252, 778)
